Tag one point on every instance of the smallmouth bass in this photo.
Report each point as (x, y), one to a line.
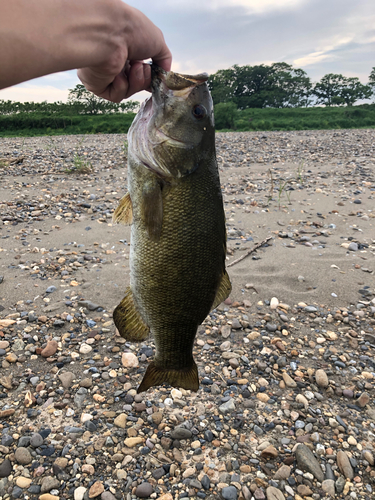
(178, 235)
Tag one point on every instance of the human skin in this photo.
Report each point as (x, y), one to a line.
(107, 40)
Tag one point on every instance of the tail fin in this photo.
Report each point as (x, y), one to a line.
(187, 378)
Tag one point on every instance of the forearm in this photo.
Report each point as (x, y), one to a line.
(38, 37)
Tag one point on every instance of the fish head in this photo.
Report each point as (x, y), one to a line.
(174, 130)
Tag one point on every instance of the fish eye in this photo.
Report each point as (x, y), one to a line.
(199, 111)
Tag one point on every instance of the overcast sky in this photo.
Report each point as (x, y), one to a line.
(319, 36)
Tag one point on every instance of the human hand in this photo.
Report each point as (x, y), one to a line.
(122, 72)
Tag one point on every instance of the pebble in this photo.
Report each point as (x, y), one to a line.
(274, 493)
(23, 456)
(321, 378)
(344, 465)
(307, 461)
(129, 360)
(50, 349)
(229, 493)
(144, 490)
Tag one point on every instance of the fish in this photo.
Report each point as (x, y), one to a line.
(178, 232)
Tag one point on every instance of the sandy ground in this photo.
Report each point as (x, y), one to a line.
(311, 193)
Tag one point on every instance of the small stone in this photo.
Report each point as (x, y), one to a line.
(269, 452)
(133, 441)
(48, 496)
(66, 379)
(304, 490)
(6, 381)
(274, 303)
(225, 331)
(36, 440)
(227, 407)
(49, 483)
(321, 378)
(181, 433)
(144, 490)
(229, 493)
(79, 493)
(23, 456)
(344, 465)
(369, 457)
(157, 417)
(96, 489)
(50, 349)
(129, 360)
(307, 461)
(85, 348)
(363, 400)
(5, 468)
(289, 382)
(120, 421)
(274, 493)
(23, 482)
(328, 486)
(283, 472)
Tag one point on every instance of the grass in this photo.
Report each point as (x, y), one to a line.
(33, 124)
(252, 119)
(80, 165)
(282, 187)
(316, 118)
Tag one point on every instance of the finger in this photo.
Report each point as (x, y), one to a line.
(139, 78)
(164, 59)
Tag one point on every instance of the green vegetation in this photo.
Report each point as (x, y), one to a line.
(84, 113)
(32, 124)
(275, 97)
(282, 86)
(362, 116)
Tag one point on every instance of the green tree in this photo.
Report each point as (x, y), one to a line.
(371, 80)
(353, 90)
(291, 87)
(85, 102)
(336, 89)
(328, 90)
(225, 115)
(279, 85)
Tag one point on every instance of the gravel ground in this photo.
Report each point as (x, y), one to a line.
(286, 407)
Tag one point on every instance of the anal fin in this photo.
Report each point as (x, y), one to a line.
(124, 212)
(223, 291)
(154, 376)
(128, 320)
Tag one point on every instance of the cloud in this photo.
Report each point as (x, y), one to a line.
(320, 36)
(250, 6)
(34, 93)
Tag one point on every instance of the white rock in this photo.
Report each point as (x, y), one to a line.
(79, 493)
(274, 303)
(85, 348)
(129, 360)
(176, 394)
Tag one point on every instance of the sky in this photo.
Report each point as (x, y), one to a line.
(319, 36)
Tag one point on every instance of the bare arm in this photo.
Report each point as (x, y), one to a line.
(107, 39)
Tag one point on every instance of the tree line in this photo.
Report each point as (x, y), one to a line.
(80, 102)
(279, 85)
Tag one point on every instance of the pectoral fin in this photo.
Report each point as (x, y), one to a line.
(224, 290)
(152, 209)
(124, 212)
(154, 376)
(128, 320)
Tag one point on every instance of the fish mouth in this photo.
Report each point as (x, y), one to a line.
(174, 82)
